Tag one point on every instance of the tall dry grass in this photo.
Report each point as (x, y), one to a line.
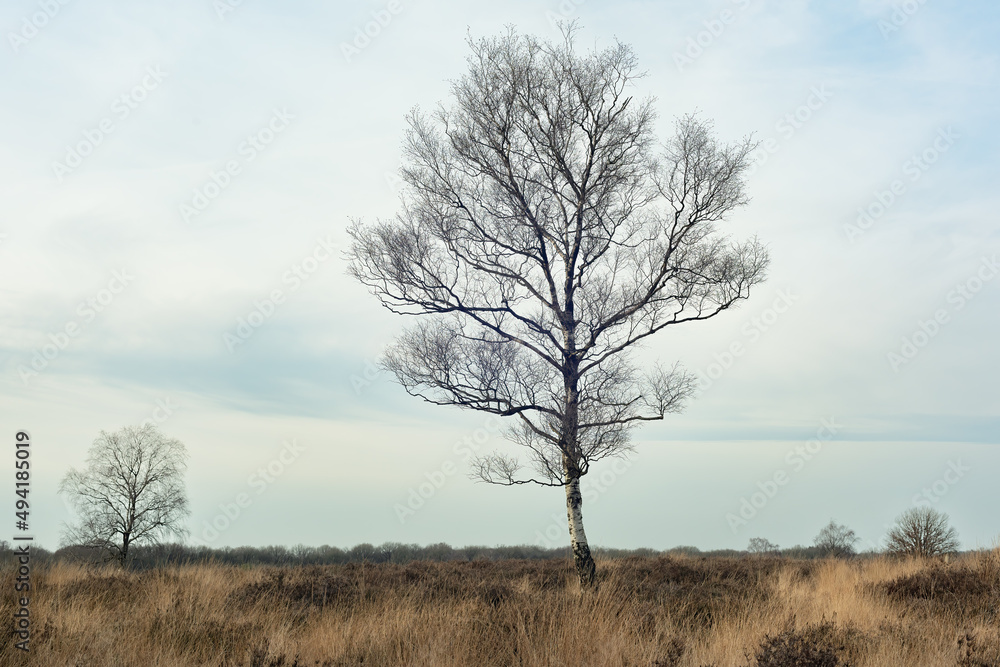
(664, 612)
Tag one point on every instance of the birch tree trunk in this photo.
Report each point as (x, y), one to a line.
(582, 558)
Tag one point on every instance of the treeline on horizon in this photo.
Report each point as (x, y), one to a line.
(390, 552)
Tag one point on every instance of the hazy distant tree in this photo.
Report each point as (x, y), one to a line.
(366, 552)
(760, 546)
(686, 550)
(544, 234)
(922, 532)
(130, 492)
(836, 540)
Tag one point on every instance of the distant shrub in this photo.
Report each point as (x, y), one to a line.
(969, 589)
(938, 583)
(811, 647)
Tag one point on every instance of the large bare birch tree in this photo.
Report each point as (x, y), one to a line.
(130, 492)
(544, 234)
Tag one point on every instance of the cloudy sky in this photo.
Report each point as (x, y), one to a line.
(169, 169)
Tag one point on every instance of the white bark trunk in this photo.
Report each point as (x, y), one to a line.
(578, 537)
(574, 510)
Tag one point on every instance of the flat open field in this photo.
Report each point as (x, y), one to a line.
(667, 611)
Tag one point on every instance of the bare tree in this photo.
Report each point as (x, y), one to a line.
(544, 235)
(922, 532)
(130, 492)
(836, 540)
(760, 546)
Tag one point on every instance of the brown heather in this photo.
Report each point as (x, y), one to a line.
(664, 612)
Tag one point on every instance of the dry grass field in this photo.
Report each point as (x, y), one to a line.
(667, 611)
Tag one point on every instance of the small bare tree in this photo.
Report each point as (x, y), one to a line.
(130, 492)
(922, 532)
(544, 235)
(836, 540)
(760, 546)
